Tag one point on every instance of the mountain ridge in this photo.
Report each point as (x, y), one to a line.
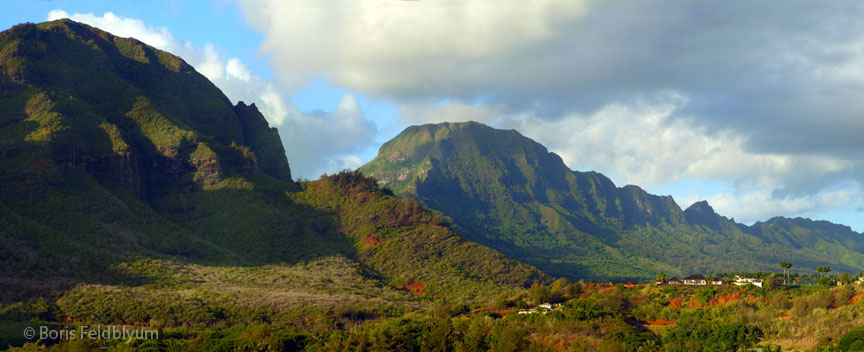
(511, 193)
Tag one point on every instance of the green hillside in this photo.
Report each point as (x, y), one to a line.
(133, 191)
(512, 194)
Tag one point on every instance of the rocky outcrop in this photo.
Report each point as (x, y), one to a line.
(264, 141)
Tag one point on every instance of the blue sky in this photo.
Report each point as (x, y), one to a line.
(753, 106)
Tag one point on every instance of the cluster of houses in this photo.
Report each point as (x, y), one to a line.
(699, 280)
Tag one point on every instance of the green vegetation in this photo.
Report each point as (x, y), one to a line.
(581, 316)
(133, 194)
(508, 192)
(410, 244)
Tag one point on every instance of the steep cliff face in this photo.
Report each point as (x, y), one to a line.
(264, 141)
(105, 138)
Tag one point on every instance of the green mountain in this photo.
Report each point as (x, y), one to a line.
(510, 193)
(126, 176)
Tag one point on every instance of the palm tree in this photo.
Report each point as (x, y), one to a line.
(785, 266)
(661, 277)
(823, 269)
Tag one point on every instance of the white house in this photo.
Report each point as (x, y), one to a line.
(541, 308)
(695, 280)
(742, 281)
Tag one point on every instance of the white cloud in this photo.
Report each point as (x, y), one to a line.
(449, 111)
(399, 46)
(209, 63)
(326, 142)
(649, 143)
(779, 79)
(237, 70)
(758, 205)
(273, 107)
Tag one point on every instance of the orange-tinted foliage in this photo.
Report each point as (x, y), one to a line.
(855, 298)
(415, 288)
(372, 240)
(676, 302)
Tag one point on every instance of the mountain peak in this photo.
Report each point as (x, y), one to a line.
(495, 182)
(702, 207)
(701, 213)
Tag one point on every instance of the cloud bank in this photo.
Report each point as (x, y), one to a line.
(760, 95)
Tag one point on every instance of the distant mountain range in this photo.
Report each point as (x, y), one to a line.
(509, 192)
(112, 151)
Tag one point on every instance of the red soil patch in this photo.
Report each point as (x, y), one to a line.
(415, 288)
(371, 239)
(693, 303)
(660, 322)
(855, 298)
(676, 302)
(726, 299)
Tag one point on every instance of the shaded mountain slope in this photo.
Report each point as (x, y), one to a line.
(114, 152)
(512, 194)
